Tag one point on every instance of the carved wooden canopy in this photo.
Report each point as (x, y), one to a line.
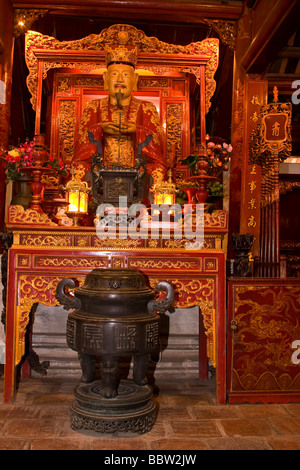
(43, 53)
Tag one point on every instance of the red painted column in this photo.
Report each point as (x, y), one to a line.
(10, 325)
(6, 64)
(255, 96)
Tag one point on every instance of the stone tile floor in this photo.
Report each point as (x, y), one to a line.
(188, 419)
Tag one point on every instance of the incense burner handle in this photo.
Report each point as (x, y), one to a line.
(161, 305)
(67, 300)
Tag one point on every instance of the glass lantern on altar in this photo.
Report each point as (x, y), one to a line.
(77, 192)
(164, 191)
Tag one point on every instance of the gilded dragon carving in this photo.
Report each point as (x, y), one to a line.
(268, 321)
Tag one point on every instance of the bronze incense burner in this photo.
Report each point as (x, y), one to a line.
(115, 315)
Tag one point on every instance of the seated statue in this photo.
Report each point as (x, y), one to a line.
(120, 121)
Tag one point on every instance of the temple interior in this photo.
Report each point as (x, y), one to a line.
(150, 230)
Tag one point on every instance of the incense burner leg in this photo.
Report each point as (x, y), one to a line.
(140, 367)
(88, 364)
(109, 366)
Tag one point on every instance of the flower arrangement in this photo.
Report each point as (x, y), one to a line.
(57, 165)
(17, 158)
(218, 155)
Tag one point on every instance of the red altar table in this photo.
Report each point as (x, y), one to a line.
(43, 253)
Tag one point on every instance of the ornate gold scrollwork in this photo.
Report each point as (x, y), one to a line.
(47, 240)
(227, 31)
(174, 129)
(67, 114)
(33, 289)
(270, 144)
(18, 215)
(268, 321)
(197, 292)
(217, 219)
(285, 186)
(64, 261)
(23, 19)
(162, 264)
(121, 244)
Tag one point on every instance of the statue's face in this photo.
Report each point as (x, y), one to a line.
(120, 77)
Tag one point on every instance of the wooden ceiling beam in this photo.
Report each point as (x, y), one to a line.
(273, 33)
(190, 11)
(290, 52)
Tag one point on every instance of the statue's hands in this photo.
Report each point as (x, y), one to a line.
(113, 128)
(128, 128)
(110, 128)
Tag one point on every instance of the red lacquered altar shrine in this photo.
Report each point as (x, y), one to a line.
(249, 335)
(43, 253)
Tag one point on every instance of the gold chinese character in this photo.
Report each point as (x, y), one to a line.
(252, 186)
(254, 117)
(255, 100)
(251, 221)
(276, 129)
(252, 204)
(253, 170)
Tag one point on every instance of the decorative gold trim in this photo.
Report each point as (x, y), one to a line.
(285, 186)
(217, 219)
(269, 148)
(198, 292)
(66, 137)
(22, 319)
(227, 31)
(289, 244)
(23, 19)
(267, 320)
(67, 241)
(71, 262)
(18, 215)
(174, 131)
(32, 289)
(49, 240)
(163, 264)
(260, 147)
